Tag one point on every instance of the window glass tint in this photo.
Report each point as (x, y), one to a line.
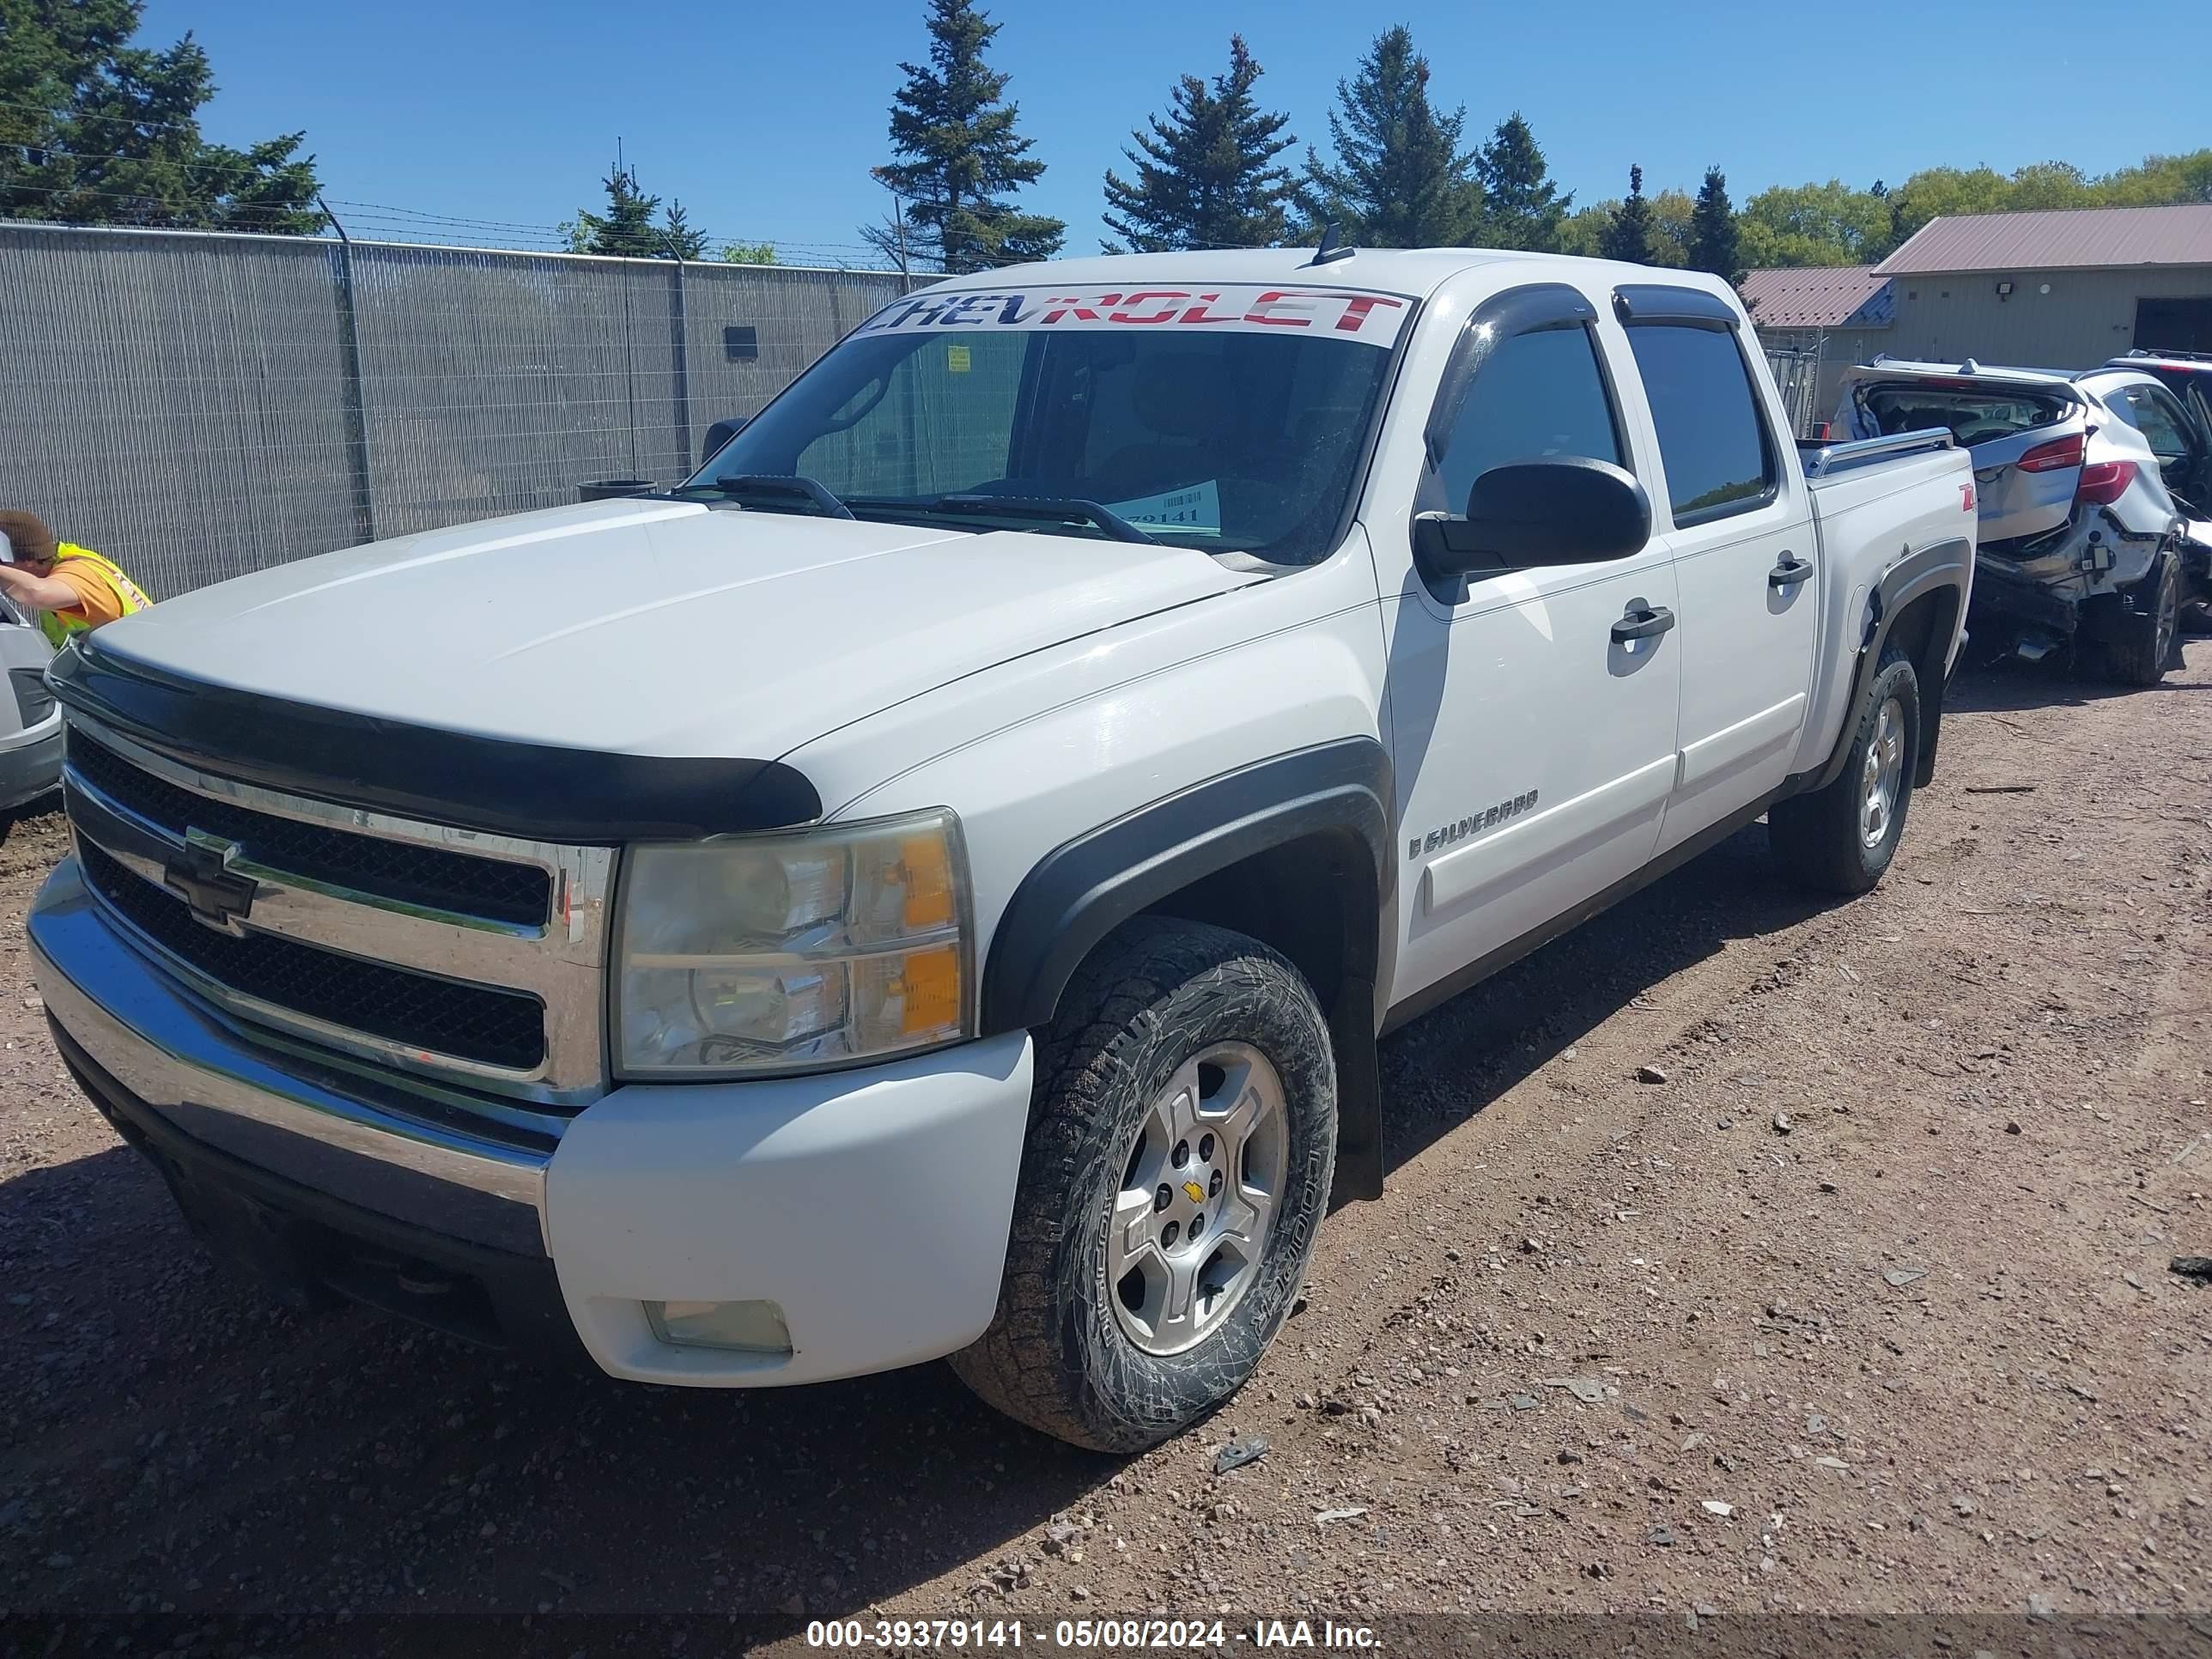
(1244, 441)
(1536, 395)
(2150, 414)
(1711, 436)
(930, 423)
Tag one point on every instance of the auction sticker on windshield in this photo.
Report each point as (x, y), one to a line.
(1195, 511)
(1334, 313)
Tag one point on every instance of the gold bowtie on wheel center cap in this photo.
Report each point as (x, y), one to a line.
(1204, 1169)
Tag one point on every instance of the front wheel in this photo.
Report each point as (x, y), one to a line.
(1181, 1142)
(1842, 838)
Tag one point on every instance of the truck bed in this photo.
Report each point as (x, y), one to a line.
(1899, 494)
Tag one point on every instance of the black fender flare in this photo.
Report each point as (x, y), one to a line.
(1082, 890)
(1917, 573)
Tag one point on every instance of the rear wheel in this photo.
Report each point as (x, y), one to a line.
(1841, 839)
(2142, 644)
(1181, 1146)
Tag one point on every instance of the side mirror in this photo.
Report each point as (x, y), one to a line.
(720, 434)
(1561, 510)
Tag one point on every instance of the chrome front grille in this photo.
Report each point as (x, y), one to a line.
(473, 958)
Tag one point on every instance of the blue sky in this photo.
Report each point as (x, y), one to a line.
(765, 119)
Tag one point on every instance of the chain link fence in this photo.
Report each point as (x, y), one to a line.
(1797, 377)
(198, 405)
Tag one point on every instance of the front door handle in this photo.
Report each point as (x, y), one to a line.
(1791, 571)
(1641, 621)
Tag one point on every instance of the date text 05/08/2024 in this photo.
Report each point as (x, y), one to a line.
(1082, 1635)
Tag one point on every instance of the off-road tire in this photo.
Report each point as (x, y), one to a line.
(2139, 650)
(1817, 837)
(1156, 994)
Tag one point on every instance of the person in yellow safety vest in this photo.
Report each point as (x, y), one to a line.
(71, 588)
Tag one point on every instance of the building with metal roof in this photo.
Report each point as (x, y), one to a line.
(2059, 238)
(1816, 297)
(2064, 288)
(1816, 321)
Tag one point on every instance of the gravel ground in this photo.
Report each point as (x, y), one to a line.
(1739, 1253)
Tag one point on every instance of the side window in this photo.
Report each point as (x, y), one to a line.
(1536, 395)
(2152, 413)
(899, 436)
(1712, 438)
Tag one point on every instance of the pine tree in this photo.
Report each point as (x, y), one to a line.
(1714, 243)
(94, 131)
(1521, 206)
(626, 229)
(961, 157)
(678, 241)
(1629, 236)
(1207, 174)
(1400, 179)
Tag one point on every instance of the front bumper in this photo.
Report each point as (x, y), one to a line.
(871, 1207)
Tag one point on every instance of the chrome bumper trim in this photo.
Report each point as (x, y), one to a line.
(170, 1050)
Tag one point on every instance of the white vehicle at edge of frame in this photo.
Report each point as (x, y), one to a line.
(931, 884)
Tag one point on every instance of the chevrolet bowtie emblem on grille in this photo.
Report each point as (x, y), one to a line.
(200, 874)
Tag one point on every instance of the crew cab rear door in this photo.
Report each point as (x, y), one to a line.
(1746, 557)
(2027, 438)
(1533, 711)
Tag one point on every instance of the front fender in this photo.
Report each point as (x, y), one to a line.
(1087, 886)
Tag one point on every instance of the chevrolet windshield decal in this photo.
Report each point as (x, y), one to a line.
(1334, 313)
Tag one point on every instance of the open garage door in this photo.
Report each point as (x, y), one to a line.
(2174, 325)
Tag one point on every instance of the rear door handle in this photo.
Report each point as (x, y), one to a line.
(1641, 621)
(1791, 571)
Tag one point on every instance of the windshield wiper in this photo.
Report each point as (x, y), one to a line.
(772, 492)
(1043, 509)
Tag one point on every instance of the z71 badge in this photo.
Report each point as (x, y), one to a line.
(1473, 824)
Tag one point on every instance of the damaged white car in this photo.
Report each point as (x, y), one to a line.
(2082, 540)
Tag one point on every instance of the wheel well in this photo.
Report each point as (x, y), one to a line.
(1313, 899)
(1317, 899)
(1921, 632)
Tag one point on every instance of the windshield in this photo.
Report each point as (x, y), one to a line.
(1229, 419)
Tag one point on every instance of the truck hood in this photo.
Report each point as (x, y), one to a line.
(655, 628)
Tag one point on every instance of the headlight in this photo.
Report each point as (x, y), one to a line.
(788, 952)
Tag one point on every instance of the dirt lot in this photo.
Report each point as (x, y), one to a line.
(1866, 1306)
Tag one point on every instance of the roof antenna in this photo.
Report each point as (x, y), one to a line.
(1328, 252)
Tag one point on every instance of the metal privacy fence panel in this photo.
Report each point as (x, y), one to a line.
(750, 330)
(173, 400)
(190, 403)
(494, 383)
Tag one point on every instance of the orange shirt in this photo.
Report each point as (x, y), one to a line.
(97, 601)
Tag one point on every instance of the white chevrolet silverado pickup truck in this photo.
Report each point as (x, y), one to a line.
(933, 884)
